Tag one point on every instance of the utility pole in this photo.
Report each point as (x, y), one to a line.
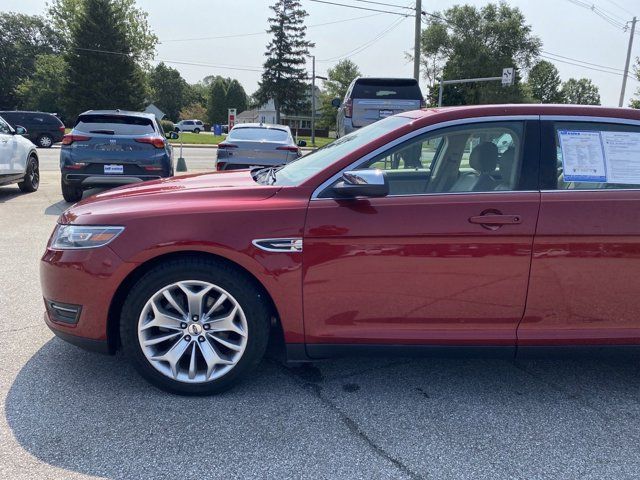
(313, 99)
(416, 46)
(626, 66)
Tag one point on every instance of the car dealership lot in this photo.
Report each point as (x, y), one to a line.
(67, 413)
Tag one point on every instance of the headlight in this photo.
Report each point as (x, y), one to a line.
(68, 237)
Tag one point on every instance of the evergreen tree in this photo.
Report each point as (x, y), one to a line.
(236, 96)
(170, 90)
(98, 79)
(217, 103)
(283, 79)
(544, 83)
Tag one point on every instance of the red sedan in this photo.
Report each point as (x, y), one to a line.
(494, 228)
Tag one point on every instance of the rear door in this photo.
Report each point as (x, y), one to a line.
(375, 99)
(585, 286)
(426, 265)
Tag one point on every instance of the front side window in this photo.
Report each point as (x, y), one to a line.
(482, 157)
(597, 156)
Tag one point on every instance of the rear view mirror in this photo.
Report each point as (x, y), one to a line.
(302, 143)
(20, 130)
(362, 183)
(173, 135)
(336, 102)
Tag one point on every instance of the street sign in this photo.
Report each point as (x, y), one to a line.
(231, 118)
(508, 77)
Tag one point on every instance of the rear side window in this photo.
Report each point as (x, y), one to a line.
(379, 89)
(259, 134)
(114, 124)
(597, 156)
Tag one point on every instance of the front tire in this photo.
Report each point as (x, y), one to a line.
(31, 180)
(196, 130)
(71, 193)
(194, 326)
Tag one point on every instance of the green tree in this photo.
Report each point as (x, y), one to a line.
(283, 79)
(217, 105)
(65, 15)
(635, 102)
(544, 83)
(339, 79)
(169, 90)
(44, 90)
(580, 92)
(468, 42)
(23, 39)
(236, 97)
(98, 79)
(193, 111)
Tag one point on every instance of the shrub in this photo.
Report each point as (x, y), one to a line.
(167, 126)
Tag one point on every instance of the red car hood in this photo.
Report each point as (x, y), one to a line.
(188, 192)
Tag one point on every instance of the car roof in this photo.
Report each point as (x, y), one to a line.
(120, 112)
(284, 128)
(442, 114)
(35, 112)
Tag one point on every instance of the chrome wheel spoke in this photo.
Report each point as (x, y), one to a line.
(192, 362)
(221, 299)
(161, 338)
(227, 343)
(195, 299)
(162, 319)
(211, 357)
(226, 323)
(172, 301)
(173, 356)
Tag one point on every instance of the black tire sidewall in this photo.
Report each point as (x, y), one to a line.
(27, 184)
(229, 279)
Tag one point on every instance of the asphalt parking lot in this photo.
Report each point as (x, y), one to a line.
(66, 413)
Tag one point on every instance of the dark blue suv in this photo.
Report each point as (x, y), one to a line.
(113, 147)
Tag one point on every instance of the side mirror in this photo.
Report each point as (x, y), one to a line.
(362, 183)
(336, 102)
(302, 143)
(173, 135)
(20, 130)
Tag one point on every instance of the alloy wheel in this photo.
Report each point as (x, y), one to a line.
(192, 331)
(45, 141)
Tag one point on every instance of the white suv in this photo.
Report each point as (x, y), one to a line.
(195, 126)
(18, 158)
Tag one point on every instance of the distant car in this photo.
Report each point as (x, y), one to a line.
(18, 158)
(257, 144)
(113, 147)
(195, 126)
(371, 99)
(43, 129)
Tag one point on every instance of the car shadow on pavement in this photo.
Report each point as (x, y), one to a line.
(9, 193)
(57, 208)
(346, 418)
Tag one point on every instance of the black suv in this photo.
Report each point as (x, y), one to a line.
(43, 129)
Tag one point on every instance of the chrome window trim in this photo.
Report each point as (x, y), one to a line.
(416, 133)
(578, 118)
(279, 245)
(608, 190)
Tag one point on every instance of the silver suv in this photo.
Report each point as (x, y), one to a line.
(195, 126)
(371, 99)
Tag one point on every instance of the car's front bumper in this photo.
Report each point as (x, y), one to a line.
(88, 279)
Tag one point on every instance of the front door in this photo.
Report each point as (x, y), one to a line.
(444, 259)
(9, 159)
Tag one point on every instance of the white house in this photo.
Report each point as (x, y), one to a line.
(267, 114)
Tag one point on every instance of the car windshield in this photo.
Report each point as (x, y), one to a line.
(114, 124)
(259, 134)
(297, 172)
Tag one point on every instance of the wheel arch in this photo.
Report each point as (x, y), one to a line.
(276, 340)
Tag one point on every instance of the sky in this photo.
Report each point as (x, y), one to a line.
(378, 42)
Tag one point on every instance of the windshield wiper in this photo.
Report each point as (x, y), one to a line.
(269, 172)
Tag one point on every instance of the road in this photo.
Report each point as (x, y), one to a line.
(66, 413)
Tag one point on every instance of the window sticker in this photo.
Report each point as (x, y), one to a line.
(583, 158)
(622, 154)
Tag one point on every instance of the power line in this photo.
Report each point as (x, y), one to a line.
(582, 61)
(363, 8)
(385, 4)
(620, 7)
(606, 16)
(586, 66)
(367, 44)
(264, 32)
